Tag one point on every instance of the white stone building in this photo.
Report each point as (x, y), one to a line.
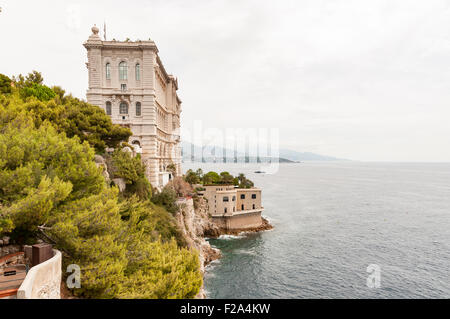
(128, 80)
(233, 208)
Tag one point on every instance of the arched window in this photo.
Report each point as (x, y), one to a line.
(138, 71)
(123, 108)
(108, 108)
(123, 70)
(138, 108)
(108, 71)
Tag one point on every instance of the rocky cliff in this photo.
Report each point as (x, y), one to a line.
(195, 224)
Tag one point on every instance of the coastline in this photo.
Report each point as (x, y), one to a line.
(196, 226)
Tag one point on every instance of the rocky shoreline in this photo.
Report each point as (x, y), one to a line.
(195, 224)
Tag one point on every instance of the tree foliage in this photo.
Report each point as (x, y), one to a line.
(51, 188)
(29, 80)
(5, 84)
(226, 178)
(91, 124)
(214, 178)
(244, 182)
(172, 169)
(41, 92)
(66, 113)
(28, 154)
(167, 197)
(181, 187)
(120, 257)
(211, 178)
(192, 177)
(32, 85)
(122, 165)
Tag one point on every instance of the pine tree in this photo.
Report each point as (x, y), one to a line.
(51, 188)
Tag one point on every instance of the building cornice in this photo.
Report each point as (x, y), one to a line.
(93, 44)
(143, 45)
(121, 45)
(162, 69)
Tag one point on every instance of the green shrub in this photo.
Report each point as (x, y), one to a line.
(191, 177)
(122, 164)
(167, 197)
(41, 92)
(66, 113)
(218, 179)
(211, 178)
(5, 84)
(51, 188)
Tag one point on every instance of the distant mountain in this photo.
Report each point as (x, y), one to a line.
(306, 156)
(218, 154)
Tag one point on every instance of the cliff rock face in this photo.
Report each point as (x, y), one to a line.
(120, 183)
(195, 224)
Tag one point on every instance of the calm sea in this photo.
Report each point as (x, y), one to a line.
(333, 220)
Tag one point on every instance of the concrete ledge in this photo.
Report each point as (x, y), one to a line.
(43, 281)
(248, 220)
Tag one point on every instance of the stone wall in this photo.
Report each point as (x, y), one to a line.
(43, 281)
(239, 221)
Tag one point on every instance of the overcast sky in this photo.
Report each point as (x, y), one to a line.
(364, 80)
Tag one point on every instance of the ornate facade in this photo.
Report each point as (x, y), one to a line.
(128, 80)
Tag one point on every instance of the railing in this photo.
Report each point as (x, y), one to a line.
(43, 280)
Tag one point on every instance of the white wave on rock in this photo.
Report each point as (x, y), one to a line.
(245, 252)
(228, 237)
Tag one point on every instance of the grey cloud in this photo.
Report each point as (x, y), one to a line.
(367, 80)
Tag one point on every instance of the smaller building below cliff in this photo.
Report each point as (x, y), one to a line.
(233, 208)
